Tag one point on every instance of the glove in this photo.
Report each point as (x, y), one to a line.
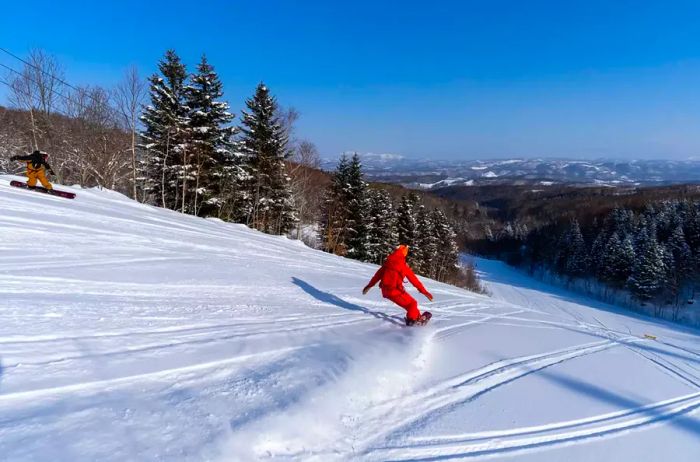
(365, 290)
(429, 296)
(51, 172)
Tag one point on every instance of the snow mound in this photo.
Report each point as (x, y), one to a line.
(135, 333)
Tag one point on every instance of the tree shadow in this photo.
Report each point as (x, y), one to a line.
(516, 277)
(680, 418)
(646, 345)
(327, 297)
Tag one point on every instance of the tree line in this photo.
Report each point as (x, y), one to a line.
(86, 129)
(168, 141)
(171, 141)
(363, 223)
(197, 162)
(654, 253)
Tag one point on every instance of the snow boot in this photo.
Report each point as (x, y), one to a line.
(424, 318)
(421, 321)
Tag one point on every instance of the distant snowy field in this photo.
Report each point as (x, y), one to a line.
(129, 332)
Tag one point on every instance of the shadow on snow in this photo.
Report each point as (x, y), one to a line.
(332, 299)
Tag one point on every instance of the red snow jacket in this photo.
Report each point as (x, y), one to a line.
(392, 273)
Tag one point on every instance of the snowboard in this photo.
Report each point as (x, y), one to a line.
(53, 192)
(423, 320)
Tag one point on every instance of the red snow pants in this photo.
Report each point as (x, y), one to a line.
(405, 301)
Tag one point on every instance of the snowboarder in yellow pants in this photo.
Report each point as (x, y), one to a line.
(36, 169)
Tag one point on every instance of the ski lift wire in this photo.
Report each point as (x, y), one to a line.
(54, 110)
(47, 73)
(67, 98)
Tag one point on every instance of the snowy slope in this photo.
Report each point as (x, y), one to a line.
(134, 333)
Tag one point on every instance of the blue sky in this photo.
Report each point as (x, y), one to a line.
(444, 79)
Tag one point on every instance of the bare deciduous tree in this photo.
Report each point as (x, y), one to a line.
(11, 142)
(38, 89)
(98, 145)
(306, 195)
(129, 96)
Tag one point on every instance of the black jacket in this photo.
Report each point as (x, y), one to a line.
(36, 158)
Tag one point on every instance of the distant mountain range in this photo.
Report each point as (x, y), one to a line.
(428, 174)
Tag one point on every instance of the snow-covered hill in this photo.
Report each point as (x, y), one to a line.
(441, 173)
(134, 333)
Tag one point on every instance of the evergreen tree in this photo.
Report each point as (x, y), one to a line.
(598, 252)
(447, 258)
(264, 143)
(666, 219)
(358, 245)
(672, 279)
(426, 243)
(215, 165)
(334, 214)
(679, 262)
(572, 254)
(577, 259)
(682, 256)
(646, 229)
(691, 226)
(616, 261)
(407, 226)
(383, 237)
(166, 132)
(649, 270)
(620, 221)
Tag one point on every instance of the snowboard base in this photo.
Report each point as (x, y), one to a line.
(53, 192)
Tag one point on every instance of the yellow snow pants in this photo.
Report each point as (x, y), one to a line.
(34, 174)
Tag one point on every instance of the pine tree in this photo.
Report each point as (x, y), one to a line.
(616, 261)
(577, 261)
(649, 270)
(215, 164)
(682, 256)
(166, 132)
(572, 254)
(447, 258)
(426, 246)
(334, 214)
(383, 237)
(666, 219)
(646, 229)
(620, 221)
(598, 252)
(358, 245)
(679, 261)
(264, 143)
(691, 225)
(407, 227)
(672, 281)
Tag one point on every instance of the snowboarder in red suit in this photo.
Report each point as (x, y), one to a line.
(391, 275)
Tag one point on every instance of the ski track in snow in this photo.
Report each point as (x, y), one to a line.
(129, 332)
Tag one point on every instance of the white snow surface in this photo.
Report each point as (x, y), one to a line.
(129, 332)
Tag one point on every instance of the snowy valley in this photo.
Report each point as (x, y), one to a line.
(130, 332)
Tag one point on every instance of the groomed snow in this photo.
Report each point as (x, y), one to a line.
(129, 332)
